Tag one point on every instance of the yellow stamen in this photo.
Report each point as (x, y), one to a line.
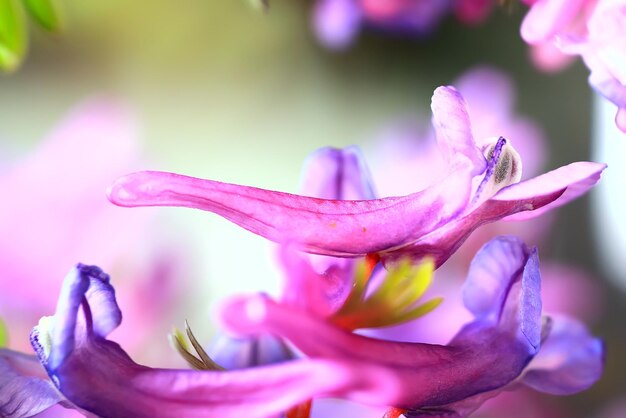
(4, 334)
(394, 300)
(179, 342)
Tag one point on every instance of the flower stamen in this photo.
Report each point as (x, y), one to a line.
(394, 301)
(503, 169)
(203, 361)
(4, 334)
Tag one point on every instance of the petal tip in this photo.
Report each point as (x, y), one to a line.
(126, 190)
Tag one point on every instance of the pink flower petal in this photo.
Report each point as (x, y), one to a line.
(328, 227)
(546, 17)
(574, 180)
(454, 131)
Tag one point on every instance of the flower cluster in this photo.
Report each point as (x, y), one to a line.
(556, 30)
(353, 262)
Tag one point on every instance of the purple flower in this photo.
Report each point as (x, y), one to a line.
(503, 293)
(95, 374)
(25, 389)
(478, 186)
(337, 22)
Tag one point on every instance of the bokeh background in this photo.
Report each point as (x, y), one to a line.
(225, 92)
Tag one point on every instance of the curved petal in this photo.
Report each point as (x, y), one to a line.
(25, 389)
(546, 17)
(573, 180)
(329, 227)
(318, 292)
(454, 131)
(443, 242)
(570, 359)
(503, 286)
(462, 369)
(485, 291)
(97, 375)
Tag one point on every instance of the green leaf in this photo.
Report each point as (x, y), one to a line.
(45, 13)
(4, 335)
(12, 35)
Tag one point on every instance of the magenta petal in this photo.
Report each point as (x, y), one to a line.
(454, 131)
(328, 227)
(462, 369)
(25, 389)
(546, 17)
(574, 180)
(485, 355)
(443, 242)
(321, 293)
(97, 375)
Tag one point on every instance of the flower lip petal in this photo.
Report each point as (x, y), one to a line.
(496, 265)
(24, 386)
(574, 180)
(570, 359)
(328, 227)
(546, 18)
(473, 352)
(97, 375)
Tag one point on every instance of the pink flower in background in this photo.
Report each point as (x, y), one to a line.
(549, 20)
(604, 51)
(593, 29)
(55, 212)
(472, 11)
